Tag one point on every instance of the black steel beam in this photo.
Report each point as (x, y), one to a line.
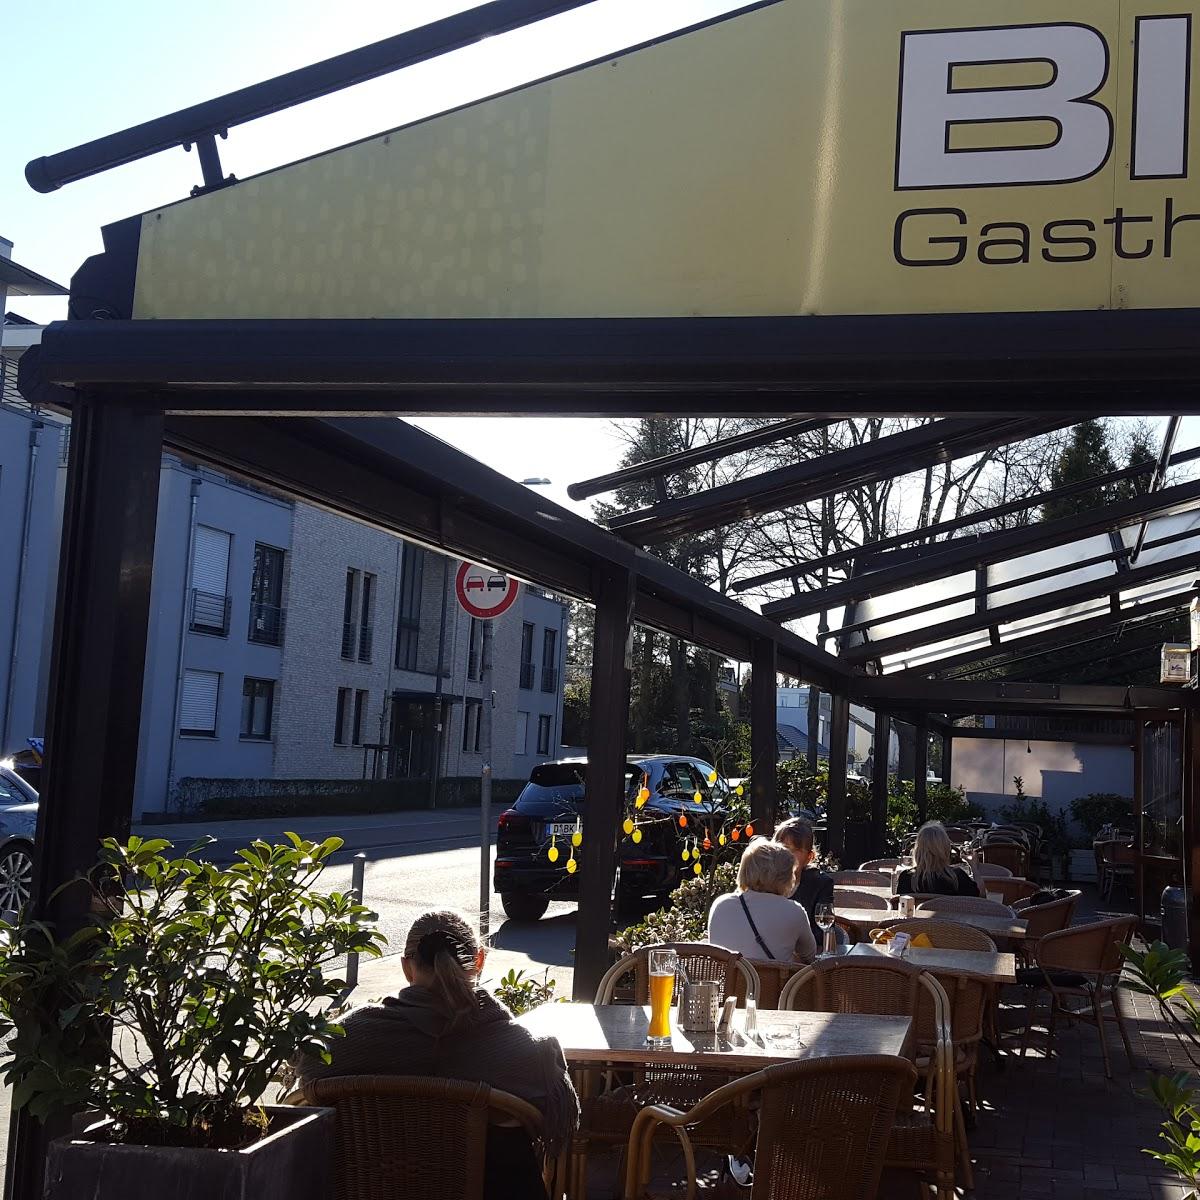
(764, 745)
(921, 768)
(813, 731)
(839, 745)
(609, 711)
(1128, 362)
(94, 716)
(1096, 661)
(940, 560)
(879, 781)
(1103, 623)
(814, 478)
(961, 697)
(214, 118)
(939, 530)
(673, 464)
(1158, 478)
(1017, 610)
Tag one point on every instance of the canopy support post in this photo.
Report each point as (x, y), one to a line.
(879, 782)
(611, 649)
(839, 744)
(764, 745)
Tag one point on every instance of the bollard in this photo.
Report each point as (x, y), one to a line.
(358, 871)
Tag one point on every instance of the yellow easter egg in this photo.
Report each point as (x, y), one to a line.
(697, 868)
(686, 855)
(697, 798)
(637, 836)
(712, 777)
(576, 838)
(572, 866)
(552, 854)
(741, 791)
(643, 795)
(722, 840)
(628, 827)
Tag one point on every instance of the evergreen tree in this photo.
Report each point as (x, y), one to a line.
(1088, 453)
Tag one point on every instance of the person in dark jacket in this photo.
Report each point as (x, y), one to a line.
(813, 886)
(446, 1026)
(932, 870)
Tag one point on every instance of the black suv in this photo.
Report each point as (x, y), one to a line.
(553, 806)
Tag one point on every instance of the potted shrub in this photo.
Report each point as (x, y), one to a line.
(169, 1019)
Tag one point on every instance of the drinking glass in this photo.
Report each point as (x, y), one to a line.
(663, 965)
(823, 915)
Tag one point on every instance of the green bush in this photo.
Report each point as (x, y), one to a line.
(1099, 809)
(685, 916)
(1023, 810)
(214, 979)
(946, 804)
(519, 993)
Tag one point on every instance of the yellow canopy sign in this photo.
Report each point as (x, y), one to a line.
(808, 157)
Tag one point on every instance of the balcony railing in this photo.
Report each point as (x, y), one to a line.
(349, 638)
(366, 634)
(527, 669)
(266, 623)
(549, 679)
(210, 613)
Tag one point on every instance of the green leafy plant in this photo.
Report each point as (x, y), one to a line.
(942, 803)
(1055, 833)
(519, 992)
(1162, 974)
(1094, 811)
(685, 917)
(197, 984)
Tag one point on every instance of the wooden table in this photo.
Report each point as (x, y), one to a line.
(984, 965)
(865, 919)
(615, 1034)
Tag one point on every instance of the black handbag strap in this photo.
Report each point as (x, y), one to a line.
(754, 928)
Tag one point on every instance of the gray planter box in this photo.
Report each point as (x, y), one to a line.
(293, 1161)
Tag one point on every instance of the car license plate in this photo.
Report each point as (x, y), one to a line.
(560, 828)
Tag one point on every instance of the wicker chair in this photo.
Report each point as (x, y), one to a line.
(1043, 919)
(1011, 854)
(867, 878)
(845, 1107)
(1013, 890)
(921, 1141)
(1083, 961)
(945, 935)
(608, 1111)
(1117, 861)
(988, 870)
(420, 1138)
(772, 977)
(885, 865)
(847, 897)
(965, 904)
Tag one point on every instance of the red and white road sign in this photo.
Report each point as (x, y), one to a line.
(483, 592)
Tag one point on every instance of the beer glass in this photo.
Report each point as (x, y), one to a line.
(663, 964)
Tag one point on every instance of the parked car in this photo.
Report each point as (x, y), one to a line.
(18, 823)
(553, 807)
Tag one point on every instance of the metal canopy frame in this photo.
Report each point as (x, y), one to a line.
(813, 479)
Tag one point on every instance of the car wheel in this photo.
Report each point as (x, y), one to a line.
(521, 907)
(16, 876)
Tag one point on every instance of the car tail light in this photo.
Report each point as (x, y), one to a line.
(512, 821)
(639, 862)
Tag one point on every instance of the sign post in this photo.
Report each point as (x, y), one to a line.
(485, 594)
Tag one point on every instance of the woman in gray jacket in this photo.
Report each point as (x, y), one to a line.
(444, 1025)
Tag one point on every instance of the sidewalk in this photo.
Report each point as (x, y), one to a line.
(361, 831)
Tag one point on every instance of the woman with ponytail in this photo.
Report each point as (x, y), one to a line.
(445, 1025)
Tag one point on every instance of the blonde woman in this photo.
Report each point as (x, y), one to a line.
(446, 1026)
(761, 920)
(932, 870)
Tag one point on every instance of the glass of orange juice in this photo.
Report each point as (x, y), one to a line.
(663, 965)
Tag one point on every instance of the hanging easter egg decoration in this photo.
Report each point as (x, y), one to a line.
(642, 796)
(697, 869)
(712, 777)
(722, 840)
(683, 820)
(572, 865)
(741, 791)
(552, 853)
(707, 842)
(736, 834)
(637, 836)
(697, 798)
(627, 827)
(749, 831)
(577, 836)
(687, 854)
